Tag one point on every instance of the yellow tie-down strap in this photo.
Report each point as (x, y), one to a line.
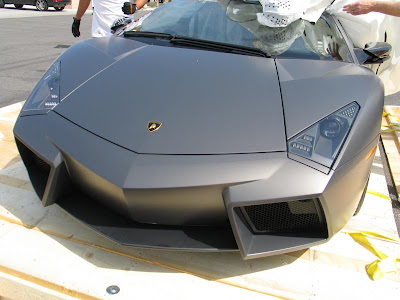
(391, 127)
(385, 114)
(385, 264)
(378, 194)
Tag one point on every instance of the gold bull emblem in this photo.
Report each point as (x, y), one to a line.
(153, 126)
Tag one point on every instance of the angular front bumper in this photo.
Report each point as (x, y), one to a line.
(186, 202)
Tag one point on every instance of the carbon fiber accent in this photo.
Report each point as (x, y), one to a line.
(286, 217)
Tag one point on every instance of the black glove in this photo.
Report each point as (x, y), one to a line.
(75, 27)
(129, 8)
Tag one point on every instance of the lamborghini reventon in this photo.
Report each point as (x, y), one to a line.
(197, 128)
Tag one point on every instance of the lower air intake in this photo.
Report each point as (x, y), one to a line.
(38, 169)
(302, 216)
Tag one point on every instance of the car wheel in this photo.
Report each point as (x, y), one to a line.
(2, 4)
(41, 5)
(59, 8)
(18, 6)
(361, 199)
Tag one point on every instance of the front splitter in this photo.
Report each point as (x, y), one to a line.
(130, 233)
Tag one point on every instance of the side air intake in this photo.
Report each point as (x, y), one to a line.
(38, 169)
(301, 216)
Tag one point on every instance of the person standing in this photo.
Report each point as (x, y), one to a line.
(105, 12)
(366, 6)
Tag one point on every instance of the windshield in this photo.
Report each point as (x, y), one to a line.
(235, 22)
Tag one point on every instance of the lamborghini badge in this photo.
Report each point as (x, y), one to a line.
(153, 126)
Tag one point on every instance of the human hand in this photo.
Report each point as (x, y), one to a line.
(360, 7)
(75, 27)
(128, 8)
(333, 50)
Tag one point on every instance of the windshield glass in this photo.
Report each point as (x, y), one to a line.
(235, 22)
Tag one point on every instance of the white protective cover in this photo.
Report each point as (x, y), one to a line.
(363, 29)
(389, 71)
(276, 40)
(272, 40)
(281, 13)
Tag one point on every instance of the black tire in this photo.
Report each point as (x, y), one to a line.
(59, 8)
(361, 199)
(18, 6)
(41, 5)
(2, 3)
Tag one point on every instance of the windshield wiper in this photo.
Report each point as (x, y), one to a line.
(149, 34)
(198, 43)
(193, 42)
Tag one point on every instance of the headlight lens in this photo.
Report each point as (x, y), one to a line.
(46, 94)
(322, 141)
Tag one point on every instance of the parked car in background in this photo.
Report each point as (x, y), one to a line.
(42, 5)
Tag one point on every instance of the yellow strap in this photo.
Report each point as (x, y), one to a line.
(385, 114)
(362, 239)
(390, 130)
(377, 269)
(391, 125)
(375, 234)
(378, 194)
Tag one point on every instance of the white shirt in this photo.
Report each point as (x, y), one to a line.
(104, 14)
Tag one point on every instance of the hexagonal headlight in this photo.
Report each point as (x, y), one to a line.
(322, 141)
(46, 95)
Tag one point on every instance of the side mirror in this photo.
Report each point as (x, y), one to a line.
(373, 53)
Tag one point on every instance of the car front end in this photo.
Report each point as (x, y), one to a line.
(231, 150)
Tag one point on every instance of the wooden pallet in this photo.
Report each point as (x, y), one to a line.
(46, 252)
(391, 141)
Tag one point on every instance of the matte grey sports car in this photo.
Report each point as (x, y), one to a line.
(197, 128)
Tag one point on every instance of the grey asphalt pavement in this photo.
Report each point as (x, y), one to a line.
(29, 46)
(30, 42)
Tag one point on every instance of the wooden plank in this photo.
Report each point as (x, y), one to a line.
(12, 287)
(64, 264)
(56, 250)
(8, 151)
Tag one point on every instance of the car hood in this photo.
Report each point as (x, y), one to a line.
(208, 102)
(311, 93)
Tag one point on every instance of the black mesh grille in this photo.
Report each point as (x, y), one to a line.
(294, 216)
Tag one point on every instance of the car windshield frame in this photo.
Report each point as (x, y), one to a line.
(236, 25)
